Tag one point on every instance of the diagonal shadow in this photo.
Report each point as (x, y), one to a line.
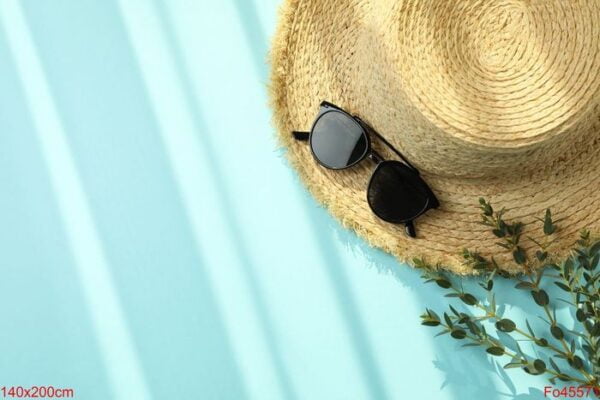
(36, 254)
(223, 360)
(256, 38)
(112, 330)
(339, 280)
(257, 42)
(226, 200)
(465, 383)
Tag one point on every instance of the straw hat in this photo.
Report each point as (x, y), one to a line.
(496, 99)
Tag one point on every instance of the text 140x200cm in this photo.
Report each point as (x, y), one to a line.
(33, 392)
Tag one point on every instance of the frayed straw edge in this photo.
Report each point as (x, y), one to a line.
(279, 61)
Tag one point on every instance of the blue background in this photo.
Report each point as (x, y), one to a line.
(154, 242)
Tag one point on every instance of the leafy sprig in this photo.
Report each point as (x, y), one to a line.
(574, 356)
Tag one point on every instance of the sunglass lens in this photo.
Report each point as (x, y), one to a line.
(396, 194)
(337, 140)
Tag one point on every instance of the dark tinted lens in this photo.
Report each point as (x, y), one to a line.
(396, 193)
(337, 140)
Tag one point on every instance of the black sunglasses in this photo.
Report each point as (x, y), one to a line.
(396, 192)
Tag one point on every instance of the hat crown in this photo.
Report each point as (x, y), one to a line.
(471, 88)
(495, 99)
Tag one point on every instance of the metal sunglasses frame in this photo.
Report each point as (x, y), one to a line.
(373, 155)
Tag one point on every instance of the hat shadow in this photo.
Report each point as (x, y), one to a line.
(472, 374)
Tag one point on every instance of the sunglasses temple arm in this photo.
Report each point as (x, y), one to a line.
(410, 229)
(303, 136)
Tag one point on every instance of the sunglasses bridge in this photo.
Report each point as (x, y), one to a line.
(375, 157)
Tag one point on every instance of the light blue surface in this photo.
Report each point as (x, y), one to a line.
(156, 245)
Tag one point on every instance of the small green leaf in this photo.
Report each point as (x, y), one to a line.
(524, 285)
(540, 297)
(563, 286)
(468, 298)
(580, 314)
(443, 283)
(541, 255)
(572, 345)
(448, 320)
(473, 328)
(495, 350)
(488, 285)
(549, 227)
(430, 318)
(589, 307)
(493, 302)
(519, 255)
(577, 362)
(499, 233)
(539, 365)
(589, 326)
(553, 266)
(595, 260)
(585, 263)
(568, 268)
(505, 325)
(454, 310)
(595, 330)
(595, 248)
(513, 365)
(518, 228)
(541, 342)
(458, 334)
(557, 332)
(487, 209)
(433, 314)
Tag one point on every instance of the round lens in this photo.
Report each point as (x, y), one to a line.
(396, 193)
(338, 141)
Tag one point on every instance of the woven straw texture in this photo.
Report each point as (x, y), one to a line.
(496, 99)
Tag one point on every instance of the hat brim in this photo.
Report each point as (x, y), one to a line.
(569, 190)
